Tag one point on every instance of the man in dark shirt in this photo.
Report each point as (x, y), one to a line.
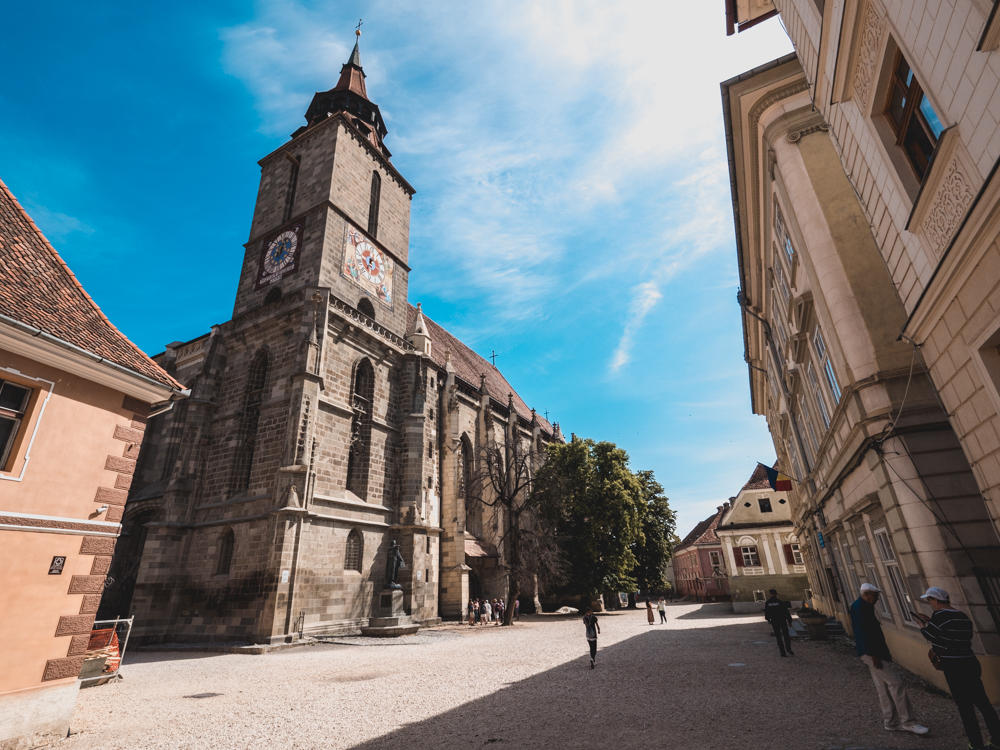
(592, 629)
(950, 634)
(897, 712)
(776, 612)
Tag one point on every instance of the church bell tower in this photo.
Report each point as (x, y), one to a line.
(332, 211)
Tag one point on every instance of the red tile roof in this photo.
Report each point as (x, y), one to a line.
(757, 480)
(704, 532)
(38, 289)
(469, 366)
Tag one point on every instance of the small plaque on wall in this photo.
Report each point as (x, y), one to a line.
(56, 568)
(279, 255)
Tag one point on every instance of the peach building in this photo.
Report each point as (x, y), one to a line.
(866, 200)
(74, 398)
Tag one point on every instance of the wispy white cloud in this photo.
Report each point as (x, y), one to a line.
(645, 297)
(54, 225)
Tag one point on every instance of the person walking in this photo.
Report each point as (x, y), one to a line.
(662, 607)
(649, 611)
(776, 612)
(897, 711)
(950, 634)
(593, 628)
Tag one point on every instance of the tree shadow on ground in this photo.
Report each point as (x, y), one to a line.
(676, 688)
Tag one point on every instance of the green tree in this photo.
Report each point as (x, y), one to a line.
(656, 543)
(596, 504)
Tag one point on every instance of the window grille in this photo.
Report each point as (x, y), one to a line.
(354, 552)
(797, 554)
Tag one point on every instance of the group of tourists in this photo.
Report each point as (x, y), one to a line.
(485, 611)
(661, 607)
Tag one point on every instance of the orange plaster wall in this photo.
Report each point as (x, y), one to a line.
(75, 437)
(33, 602)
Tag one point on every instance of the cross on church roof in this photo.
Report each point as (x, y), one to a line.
(493, 356)
(357, 29)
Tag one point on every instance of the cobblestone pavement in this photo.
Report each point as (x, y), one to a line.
(707, 679)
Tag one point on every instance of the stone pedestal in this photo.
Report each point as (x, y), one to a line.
(392, 621)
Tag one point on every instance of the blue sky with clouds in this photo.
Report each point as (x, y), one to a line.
(572, 210)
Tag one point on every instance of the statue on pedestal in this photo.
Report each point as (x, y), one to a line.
(393, 563)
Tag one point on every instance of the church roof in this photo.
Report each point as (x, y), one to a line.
(352, 76)
(469, 366)
(38, 289)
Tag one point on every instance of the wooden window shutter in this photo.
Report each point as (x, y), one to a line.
(789, 557)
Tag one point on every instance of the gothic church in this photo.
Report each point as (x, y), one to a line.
(326, 419)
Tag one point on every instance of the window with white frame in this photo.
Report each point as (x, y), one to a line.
(715, 558)
(758, 595)
(779, 275)
(899, 592)
(750, 557)
(780, 327)
(794, 456)
(809, 423)
(797, 554)
(781, 234)
(851, 571)
(825, 365)
(818, 395)
(13, 403)
(872, 575)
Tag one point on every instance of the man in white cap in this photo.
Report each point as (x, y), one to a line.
(950, 634)
(897, 711)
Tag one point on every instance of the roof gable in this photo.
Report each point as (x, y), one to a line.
(38, 289)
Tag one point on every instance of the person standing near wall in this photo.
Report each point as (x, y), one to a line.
(897, 711)
(661, 606)
(950, 634)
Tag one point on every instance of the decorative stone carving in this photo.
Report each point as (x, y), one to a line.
(796, 135)
(949, 206)
(869, 44)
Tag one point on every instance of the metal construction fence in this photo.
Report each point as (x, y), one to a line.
(103, 658)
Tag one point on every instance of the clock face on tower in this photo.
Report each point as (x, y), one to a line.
(370, 262)
(279, 256)
(367, 266)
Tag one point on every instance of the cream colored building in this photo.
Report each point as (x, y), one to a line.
(760, 546)
(867, 206)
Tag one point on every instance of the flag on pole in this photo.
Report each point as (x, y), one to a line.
(779, 482)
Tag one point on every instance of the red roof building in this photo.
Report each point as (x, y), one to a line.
(699, 563)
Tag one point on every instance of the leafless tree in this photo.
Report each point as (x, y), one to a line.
(502, 481)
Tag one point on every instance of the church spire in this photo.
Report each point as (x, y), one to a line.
(352, 75)
(350, 97)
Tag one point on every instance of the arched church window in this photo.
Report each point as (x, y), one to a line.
(365, 307)
(249, 421)
(373, 205)
(226, 545)
(362, 398)
(467, 490)
(293, 183)
(355, 551)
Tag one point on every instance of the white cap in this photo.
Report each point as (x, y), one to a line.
(935, 593)
(869, 587)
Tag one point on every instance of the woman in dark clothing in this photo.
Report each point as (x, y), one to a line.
(649, 611)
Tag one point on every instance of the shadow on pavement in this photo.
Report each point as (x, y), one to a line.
(682, 688)
(712, 611)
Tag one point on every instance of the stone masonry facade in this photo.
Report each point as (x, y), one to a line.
(325, 421)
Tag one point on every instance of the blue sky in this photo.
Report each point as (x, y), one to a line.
(572, 210)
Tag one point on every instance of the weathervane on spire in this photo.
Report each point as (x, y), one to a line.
(357, 29)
